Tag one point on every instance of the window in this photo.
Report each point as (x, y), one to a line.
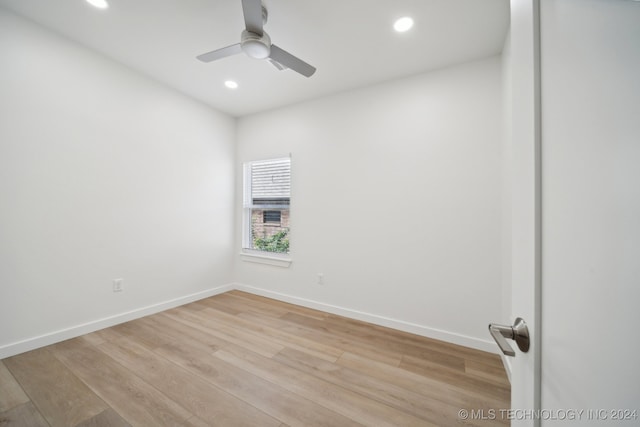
(271, 217)
(267, 194)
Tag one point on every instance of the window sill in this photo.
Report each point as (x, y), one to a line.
(275, 261)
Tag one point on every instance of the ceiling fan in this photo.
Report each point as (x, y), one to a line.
(256, 43)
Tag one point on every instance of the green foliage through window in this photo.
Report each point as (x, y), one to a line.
(279, 242)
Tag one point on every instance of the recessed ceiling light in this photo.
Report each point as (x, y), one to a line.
(403, 24)
(231, 84)
(100, 4)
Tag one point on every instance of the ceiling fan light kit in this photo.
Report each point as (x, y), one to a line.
(255, 46)
(256, 43)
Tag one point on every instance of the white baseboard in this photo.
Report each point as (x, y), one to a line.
(438, 334)
(75, 331)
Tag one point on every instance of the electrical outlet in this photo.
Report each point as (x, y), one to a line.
(320, 280)
(117, 285)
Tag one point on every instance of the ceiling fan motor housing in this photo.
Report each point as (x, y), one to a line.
(254, 45)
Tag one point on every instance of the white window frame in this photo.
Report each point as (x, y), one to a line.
(253, 255)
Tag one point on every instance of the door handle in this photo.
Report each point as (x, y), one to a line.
(518, 332)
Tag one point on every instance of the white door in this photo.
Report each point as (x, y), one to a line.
(525, 174)
(576, 210)
(590, 57)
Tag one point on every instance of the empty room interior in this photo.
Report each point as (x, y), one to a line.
(319, 213)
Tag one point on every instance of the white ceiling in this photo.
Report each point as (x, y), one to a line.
(350, 42)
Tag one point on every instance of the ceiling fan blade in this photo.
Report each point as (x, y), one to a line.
(220, 53)
(252, 10)
(278, 65)
(286, 59)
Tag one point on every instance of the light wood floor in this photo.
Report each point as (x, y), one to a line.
(237, 359)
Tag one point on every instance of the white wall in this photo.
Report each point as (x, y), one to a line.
(395, 199)
(103, 174)
(591, 206)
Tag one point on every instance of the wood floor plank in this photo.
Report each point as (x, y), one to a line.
(11, 394)
(107, 418)
(61, 398)
(142, 333)
(411, 344)
(324, 338)
(179, 332)
(93, 338)
(98, 337)
(389, 340)
(280, 403)
(347, 343)
(131, 397)
(220, 306)
(232, 299)
(283, 338)
(493, 374)
(207, 402)
(338, 399)
(25, 415)
(195, 306)
(195, 422)
(426, 368)
(377, 339)
(456, 395)
(397, 397)
(270, 302)
(249, 341)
